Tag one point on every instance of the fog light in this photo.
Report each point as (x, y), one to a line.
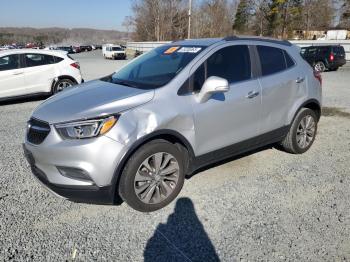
(74, 173)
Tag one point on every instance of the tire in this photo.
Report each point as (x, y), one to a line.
(62, 84)
(293, 142)
(319, 66)
(160, 189)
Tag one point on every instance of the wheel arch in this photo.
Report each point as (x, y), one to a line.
(165, 134)
(56, 79)
(312, 104)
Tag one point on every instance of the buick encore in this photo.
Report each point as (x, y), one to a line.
(138, 132)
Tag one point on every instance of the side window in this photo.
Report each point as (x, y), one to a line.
(289, 60)
(198, 78)
(231, 63)
(272, 60)
(58, 59)
(38, 60)
(9, 62)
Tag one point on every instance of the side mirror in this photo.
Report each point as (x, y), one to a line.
(212, 85)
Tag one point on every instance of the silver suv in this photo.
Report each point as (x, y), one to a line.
(138, 132)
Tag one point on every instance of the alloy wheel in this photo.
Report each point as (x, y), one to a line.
(63, 85)
(156, 178)
(306, 131)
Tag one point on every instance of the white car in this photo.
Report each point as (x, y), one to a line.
(27, 72)
(113, 52)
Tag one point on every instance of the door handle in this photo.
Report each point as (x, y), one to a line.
(300, 80)
(17, 73)
(252, 94)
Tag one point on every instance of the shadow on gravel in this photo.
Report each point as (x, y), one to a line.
(334, 111)
(12, 101)
(182, 238)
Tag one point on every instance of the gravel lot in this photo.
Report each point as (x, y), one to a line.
(267, 205)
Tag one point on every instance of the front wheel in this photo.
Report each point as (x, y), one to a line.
(153, 176)
(302, 132)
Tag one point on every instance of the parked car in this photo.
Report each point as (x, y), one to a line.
(169, 112)
(27, 72)
(323, 58)
(68, 49)
(85, 48)
(113, 52)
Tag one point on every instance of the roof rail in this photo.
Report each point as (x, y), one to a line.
(262, 39)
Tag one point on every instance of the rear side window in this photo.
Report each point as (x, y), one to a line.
(272, 60)
(9, 62)
(58, 59)
(289, 60)
(38, 60)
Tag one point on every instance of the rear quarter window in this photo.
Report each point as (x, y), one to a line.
(272, 60)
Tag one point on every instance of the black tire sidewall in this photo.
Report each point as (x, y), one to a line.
(126, 183)
(302, 113)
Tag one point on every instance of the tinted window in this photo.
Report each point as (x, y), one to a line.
(198, 78)
(38, 60)
(289, 60)
(59, 59)
(231, 63)
(9, 62)
(116, 48)
(272, 60)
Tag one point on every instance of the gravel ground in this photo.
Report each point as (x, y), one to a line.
(267, 205)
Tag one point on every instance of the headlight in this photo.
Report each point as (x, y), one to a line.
(86, 129)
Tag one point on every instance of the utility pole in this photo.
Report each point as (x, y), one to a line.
(189, 19)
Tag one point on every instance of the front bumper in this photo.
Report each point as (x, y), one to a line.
(98, 158)
(80, 194)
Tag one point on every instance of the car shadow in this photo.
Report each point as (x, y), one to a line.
(181, 238)
(13, 101)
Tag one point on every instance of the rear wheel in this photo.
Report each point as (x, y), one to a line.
(153, 176)
(62, 84)
(302, 132)
(320, 66)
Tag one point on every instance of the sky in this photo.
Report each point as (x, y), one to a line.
(99, 14)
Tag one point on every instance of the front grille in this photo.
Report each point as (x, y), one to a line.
(37, 131)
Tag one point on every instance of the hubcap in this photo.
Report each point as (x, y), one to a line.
(63, 85)
(156, 178)
(306, 131)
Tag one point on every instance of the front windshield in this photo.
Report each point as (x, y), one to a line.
(155, 68)
(116, 48)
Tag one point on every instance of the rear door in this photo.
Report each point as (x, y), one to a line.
(11, 76)
(282, 82)
(39, 72)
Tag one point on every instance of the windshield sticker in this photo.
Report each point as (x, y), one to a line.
(171, 50)
(189, 49)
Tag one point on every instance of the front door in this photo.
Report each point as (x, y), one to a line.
(11, 76)
(231, 117)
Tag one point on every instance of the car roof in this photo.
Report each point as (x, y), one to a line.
(211, 41)
(33, 51)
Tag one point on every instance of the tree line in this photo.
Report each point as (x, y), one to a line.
(164, 20)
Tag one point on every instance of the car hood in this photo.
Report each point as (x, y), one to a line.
(90, 100)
